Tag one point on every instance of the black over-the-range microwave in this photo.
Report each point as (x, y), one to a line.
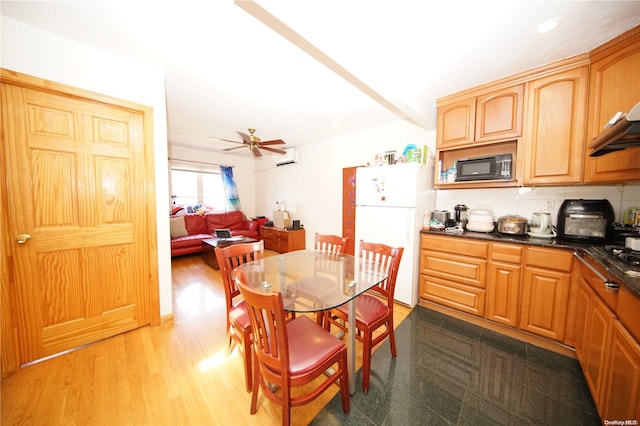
(484, 168)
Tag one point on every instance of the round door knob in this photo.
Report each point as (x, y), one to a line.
(23, 238)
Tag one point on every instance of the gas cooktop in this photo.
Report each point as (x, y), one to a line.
(622, 258)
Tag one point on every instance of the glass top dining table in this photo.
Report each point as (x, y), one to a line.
(313, 281)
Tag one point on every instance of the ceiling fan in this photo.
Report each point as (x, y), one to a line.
(255, 144)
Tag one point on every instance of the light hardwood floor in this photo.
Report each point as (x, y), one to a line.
(172, 374)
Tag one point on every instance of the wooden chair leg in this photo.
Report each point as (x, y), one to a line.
(392, 339)
(256, 383)
(366, 361)
(344, 384)
(247, 354)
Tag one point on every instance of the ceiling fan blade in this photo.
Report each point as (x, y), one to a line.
(256, 152)
(278, 151)
(226, 140)
(273, 142)
(245, 137)
(235, 147)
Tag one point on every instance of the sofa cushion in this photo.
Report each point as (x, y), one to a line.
(230, 220)
(176, 227)
(194, 240)
(195, 224)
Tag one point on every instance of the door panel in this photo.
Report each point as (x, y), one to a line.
(75, 172)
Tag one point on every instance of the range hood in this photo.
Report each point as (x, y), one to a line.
(621, 132)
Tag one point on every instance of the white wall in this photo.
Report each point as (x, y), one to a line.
(312, 188)
(32, 51)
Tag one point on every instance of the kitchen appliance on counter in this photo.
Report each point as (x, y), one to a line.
(460, 215)
(484, 168)
(586, 221)
(540, 225)
(390, 203)
(480, 220)
(512, 225)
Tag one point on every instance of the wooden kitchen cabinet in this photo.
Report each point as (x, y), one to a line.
(282, 240)
(503, 283)
(453, 272)
(545, 291)
(621, 396)
(496, 115)
(608, 353)
(555, 120)
(615, 67)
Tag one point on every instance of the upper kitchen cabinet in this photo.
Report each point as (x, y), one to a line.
(615, 67)
(554, 141)
(480, 117)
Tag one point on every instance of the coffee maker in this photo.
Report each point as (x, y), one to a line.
(460, 215)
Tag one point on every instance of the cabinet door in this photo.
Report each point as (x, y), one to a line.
(545, 294)
(503, 293)
(583, 305)
(596, 341)
(499, 114)
(555, 135)
(456, 123)
(614, 87)
(621, 397)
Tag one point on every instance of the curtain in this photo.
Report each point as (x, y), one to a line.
(230, 188)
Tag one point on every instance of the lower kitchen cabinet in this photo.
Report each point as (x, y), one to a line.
(453, 272)
(545, 291)
(621, 399)
(608, 353)
(503, 283)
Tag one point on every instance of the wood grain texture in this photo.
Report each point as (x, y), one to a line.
(175, 373)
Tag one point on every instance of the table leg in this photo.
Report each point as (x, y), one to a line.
(351, 346)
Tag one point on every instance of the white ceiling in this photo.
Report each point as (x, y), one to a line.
(308, 70)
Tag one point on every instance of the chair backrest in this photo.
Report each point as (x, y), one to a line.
(330, 243)
(268, 322)
(231, 257)
(387, 260)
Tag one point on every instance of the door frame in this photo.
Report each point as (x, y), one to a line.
(9, 349)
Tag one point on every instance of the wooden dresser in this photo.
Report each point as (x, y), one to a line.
(282, 240)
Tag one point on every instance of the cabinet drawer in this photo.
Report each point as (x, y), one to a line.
(267, 233)
(459, 268)
(558, 259)
(509, 253)
(608, 296)
(455, 245)
(458, 296)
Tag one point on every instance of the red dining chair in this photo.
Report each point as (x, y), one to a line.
(238, 322)
(374, 309)
(290, 354)
(328, 243)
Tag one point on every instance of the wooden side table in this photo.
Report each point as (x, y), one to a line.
(282, 240)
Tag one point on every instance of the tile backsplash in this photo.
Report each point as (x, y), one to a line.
(527, 200)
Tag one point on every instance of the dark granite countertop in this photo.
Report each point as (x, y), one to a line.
(633, 283)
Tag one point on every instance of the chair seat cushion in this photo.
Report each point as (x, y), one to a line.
(319, 345)
(368, 309)
(239, 316)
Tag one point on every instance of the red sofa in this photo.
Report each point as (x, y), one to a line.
(188, 231)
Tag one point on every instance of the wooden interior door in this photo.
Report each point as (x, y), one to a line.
(349, 207)
(81, 218)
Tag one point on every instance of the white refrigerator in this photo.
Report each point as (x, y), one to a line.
(390, 203)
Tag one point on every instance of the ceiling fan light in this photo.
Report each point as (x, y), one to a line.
(546, 26)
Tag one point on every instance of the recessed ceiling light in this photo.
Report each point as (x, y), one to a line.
(547, 26)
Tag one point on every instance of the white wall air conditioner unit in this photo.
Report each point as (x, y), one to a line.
(291, 157)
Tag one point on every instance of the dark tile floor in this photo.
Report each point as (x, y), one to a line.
(449, 372)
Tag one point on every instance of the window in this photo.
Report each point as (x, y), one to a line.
(197, 185)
